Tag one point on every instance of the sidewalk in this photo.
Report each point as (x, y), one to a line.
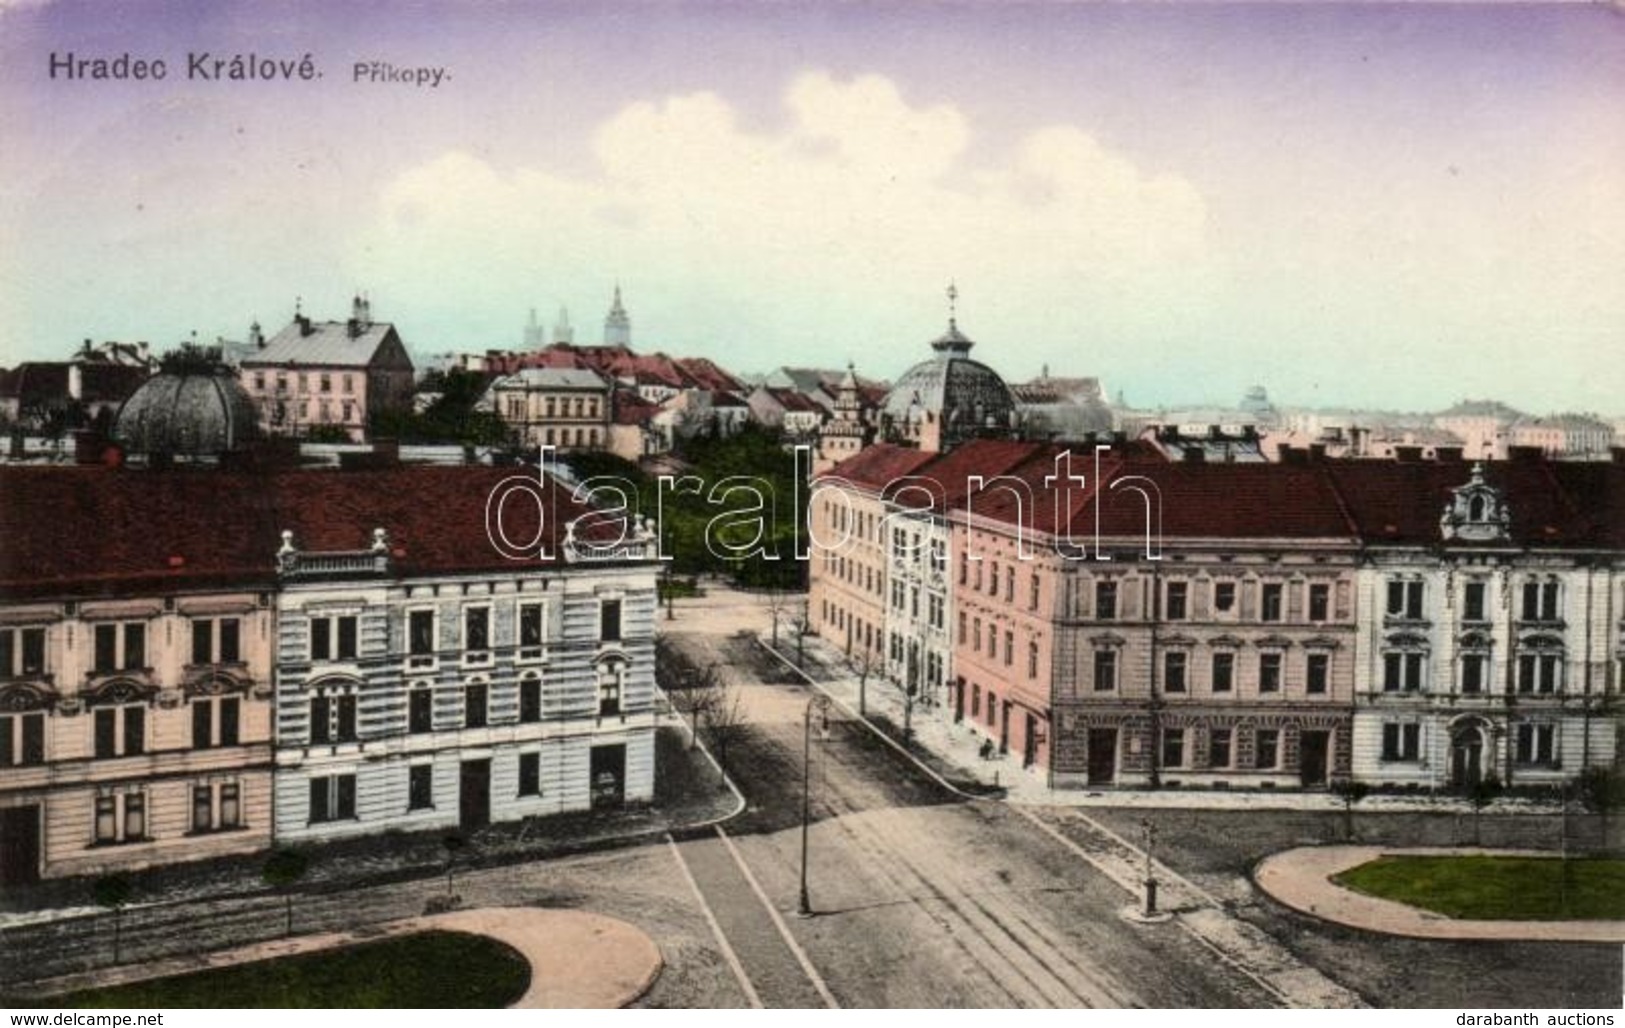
(687, 795)
(1301, 879)
(954, 750)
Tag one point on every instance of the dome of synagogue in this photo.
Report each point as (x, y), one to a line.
(193, 408)
(964, 396)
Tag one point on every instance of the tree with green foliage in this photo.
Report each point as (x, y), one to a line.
(282, 871)
(112, 892)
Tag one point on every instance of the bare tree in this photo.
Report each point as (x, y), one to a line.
(723, 718)
(778, 606)
(865, 663)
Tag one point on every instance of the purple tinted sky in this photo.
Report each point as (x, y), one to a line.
(1397, 204)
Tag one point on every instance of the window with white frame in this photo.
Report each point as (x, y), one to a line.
(1540, 600)
(333, 714)
(476, 696)
(216, 806)
(22, 652)
(420, 787)
(1105, 670)
(1175, 671)
(215, 721)
(120, 646)
(611, 680)
(1540, 672)
(1317, 673)
(1402, 670)
(120, 730)
(22, 738)
(609, 621)
(1224, 671)
(332, 798)
(1405, 599)
(1267, 749)
(1173, 747)
(1269, 672)
(530, 698)
(530, 774)
(1473, 601)
(477, 635)
(1219, 749)
(1537, 744)
(420, 638)
(121, 817)
(532, 619)
(333, 637)
(216, 640)
(1401, 741)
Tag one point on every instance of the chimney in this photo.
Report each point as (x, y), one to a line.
(88, 348)
(304, 324)
(256, 338)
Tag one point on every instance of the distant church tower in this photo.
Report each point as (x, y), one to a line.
(849, 430)
(534, 336)
(562, 330)
(617, 326)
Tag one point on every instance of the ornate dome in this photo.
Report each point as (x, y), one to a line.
(961, 397)
(187, 411)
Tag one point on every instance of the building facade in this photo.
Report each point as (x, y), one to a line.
(566, 408)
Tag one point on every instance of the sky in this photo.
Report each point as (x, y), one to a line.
(1396, 206)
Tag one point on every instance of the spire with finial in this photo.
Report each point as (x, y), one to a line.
(954, 343)
(617, 325)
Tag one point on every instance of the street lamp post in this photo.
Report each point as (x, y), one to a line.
(1150, 877)
(821, 703)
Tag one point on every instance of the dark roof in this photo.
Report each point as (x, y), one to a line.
(87, 531)
(37, 383)
(628, 408)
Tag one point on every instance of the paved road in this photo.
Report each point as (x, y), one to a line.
(921, 899)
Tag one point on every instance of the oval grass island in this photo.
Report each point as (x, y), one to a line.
(436, 968)
(1487, 887)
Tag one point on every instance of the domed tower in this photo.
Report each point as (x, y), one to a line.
(950, 398)
(193, 409)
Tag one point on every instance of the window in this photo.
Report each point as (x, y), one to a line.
(332, 717)
(1472, 607)
(1175, 609)
(1269, 672)
(611, 675)
(126, 725)
(111, 656)
(530, 700)
(939, 556)
(214, 722)
(1010, 585)
(420, 646)
(1173, 747)
(964, 567)
(420, 710)
(477, 635)
(976, 634)
(1032, 660)
(1032, 593)
(1009, 648)
(1218, 747)
(1224, 672)
(975, 700)
(1273, 592)
(216, 807)
(1105, 670)
(1267, 749)
(1472, 673)
(332, 798)
(1536, 744)
(121, 817)
(1105, 601)
(934, 610)
(22, 739)
(22, 652)
(609, 621)
(530, 631)
(215, 641)
(993, 579)
(530, 774)
(961, 628)
(1539, 672)
(1224, 596)
(1174, 666)
(475, 705)
(420, 787)
(333, 638)
(1405, 599)
(327, 382)
(1320, 602)
(1319, 673)
(1540, 601)
(1401, 741)
(1401, 671)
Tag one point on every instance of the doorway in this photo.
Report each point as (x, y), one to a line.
(1466, 757)
(474, 795)
(608, 776)
(19, 845)
(1102, 756)
(1313, 750)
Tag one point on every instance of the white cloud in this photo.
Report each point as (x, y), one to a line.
(826, 237)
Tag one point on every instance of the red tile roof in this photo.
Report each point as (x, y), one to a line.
(879, 465)
(96, 531)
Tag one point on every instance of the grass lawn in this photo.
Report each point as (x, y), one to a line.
(1496, 888)
(429, 969)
